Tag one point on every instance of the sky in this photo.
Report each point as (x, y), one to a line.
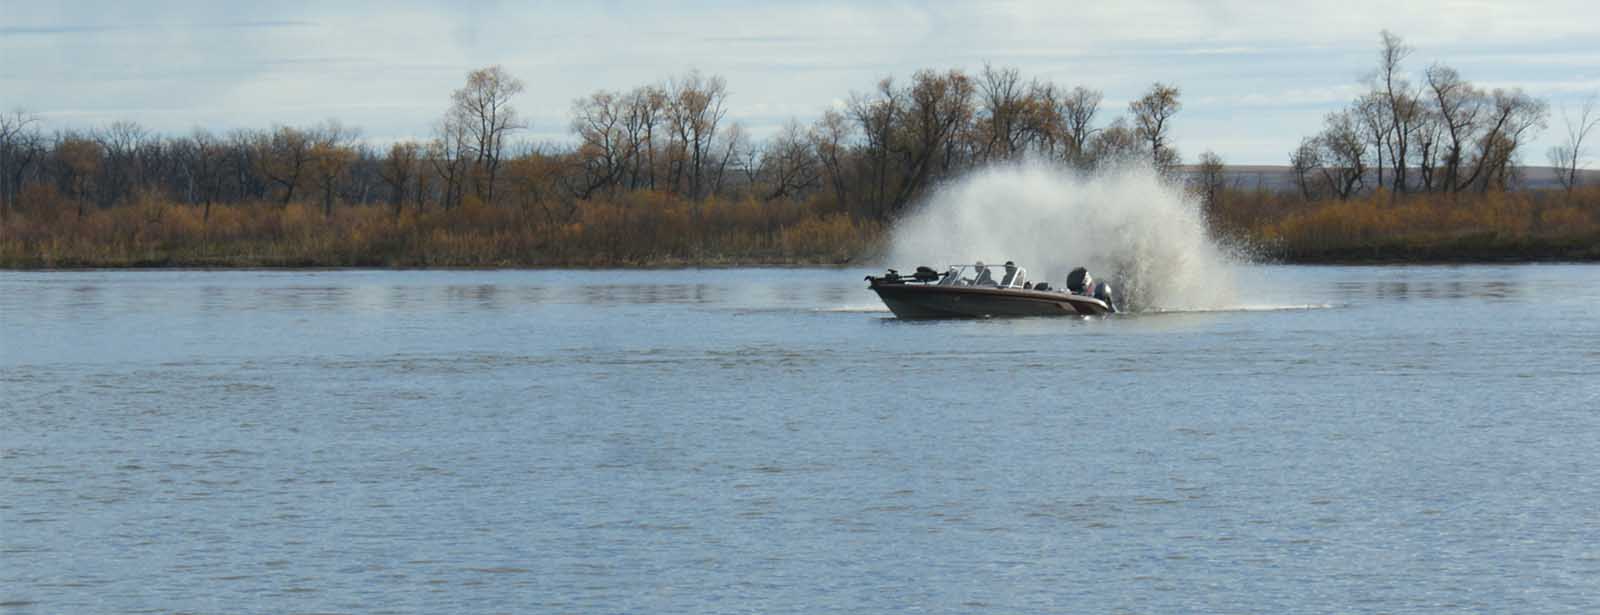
(1255, 77)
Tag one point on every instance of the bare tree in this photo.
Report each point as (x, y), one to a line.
(1078, 109)
(1116, 143)
(1457, 106)
(204, 158)
(1372, 111)
(644, 113)
(733, 143)
(601, 121)
(1512, 114)
(483, 107)
(877, 115)
(20, 146)
(1003, 119)
(1341, 154)
(1209, 178)
(121, 170)
(790, 167)
(331, 157)
(77, 160)
(399, 170)
(829, 139)
(450, 156)
(1152, 114)
(1568, 157)
(283, 157)
(938, 106)
(1303, 160)
(695, 108)
(1402, 105)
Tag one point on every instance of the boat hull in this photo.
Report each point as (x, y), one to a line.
(929, 301)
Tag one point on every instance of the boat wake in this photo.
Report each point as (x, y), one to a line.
(854, 309)
(1244, 308)
(1127, 226)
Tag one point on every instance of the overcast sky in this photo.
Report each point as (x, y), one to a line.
(1255, 76)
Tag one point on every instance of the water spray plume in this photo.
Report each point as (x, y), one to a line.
(1126, 225)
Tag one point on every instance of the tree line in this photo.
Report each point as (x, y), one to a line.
(660, 173)
(1437, 134)
(871, 157)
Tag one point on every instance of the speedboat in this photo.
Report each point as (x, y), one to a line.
(931, 294)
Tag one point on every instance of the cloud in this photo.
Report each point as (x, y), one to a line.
(1271, 68)
(102, 28)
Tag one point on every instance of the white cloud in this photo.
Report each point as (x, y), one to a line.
(390, 66)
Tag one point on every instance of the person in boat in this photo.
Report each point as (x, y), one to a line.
(984, 277)
(1079, 282)
(1012, 276)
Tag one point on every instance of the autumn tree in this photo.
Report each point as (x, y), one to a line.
(607, 146)
(283, 156)
(76, 161)
(1114, 144)
(696, 105)
(1152, 118)
(914, 129)
(1513, 116)
(484, 120)
(331, 157)
(399, 171)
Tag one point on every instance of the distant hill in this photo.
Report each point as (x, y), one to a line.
(1281, 177)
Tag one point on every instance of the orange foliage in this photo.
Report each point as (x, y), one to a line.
(1495, 225)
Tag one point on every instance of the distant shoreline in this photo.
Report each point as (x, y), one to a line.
(1332, 258)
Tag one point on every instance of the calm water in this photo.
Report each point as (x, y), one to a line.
(1392, 439)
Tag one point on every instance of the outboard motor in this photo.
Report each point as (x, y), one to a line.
(1079, 282)
(1076, 279)
(1102, 291)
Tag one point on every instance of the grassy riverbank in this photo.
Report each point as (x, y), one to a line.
(1440, 228)
(655, 230)
(640, 230)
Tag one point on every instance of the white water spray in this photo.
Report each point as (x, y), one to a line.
(1126, 226)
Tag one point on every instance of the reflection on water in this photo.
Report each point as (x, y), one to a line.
(1402, 290)
(774, 441)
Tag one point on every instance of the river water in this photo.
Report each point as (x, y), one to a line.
(1350, 439)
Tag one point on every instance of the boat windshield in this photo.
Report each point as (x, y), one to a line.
(1014, 278)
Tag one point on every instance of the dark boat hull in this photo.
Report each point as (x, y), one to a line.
(930, 301)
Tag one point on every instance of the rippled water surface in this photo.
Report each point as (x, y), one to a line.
(1388, 439)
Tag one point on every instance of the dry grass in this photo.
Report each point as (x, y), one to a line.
(640, 229)
(1533, 225)
(655, 229)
